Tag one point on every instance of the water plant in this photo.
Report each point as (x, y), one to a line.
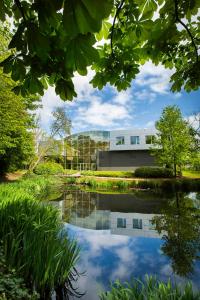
(34, 241)
(150, 288)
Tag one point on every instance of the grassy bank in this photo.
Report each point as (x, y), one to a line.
(31, 241)
(182, 184)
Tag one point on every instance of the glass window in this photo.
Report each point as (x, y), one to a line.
(151, 225)
(137, 223)
(135, 140)
(121, 223)
(150, 139)
(120, 140)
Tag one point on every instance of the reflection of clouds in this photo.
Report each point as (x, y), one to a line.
(106, 257)
(126, 258)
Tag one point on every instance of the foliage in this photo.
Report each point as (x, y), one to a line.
(173, 144)
(153, 172)
(34, 241)
(179, 223)
(11, 285)
(48, 168)
(151, 288)
(47, 144)
(108, 173)
(53, 41)
(16, 140)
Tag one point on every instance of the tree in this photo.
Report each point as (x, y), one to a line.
(180, 226)
(61, 126)
(16, 139)
(54, 39)
(172, 146)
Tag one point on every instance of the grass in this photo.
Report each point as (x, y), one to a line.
(151, 289)
(32, 239)
(191, 174)
(121, 174)
(184, 184)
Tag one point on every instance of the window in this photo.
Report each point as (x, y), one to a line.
(137, 223)
(121, 223)
(120, 140)
(150, 139)
(151, 225)
(135, 140)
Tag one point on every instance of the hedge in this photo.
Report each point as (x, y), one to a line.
(48, 168)
(153, 172)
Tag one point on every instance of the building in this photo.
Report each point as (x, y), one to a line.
(110, 150)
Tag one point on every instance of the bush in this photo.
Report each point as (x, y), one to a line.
(153, 172)
(48, 168)
(149, 289)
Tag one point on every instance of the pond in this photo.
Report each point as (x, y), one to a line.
(129, 235)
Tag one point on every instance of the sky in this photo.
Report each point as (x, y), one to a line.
(137, 107)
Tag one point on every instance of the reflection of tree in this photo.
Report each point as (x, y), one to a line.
(181, 223)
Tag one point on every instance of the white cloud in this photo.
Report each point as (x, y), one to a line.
(156, 78)
(123, 97)
(99, 113)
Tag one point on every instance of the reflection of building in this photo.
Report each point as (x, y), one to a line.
(110, 150)
(133, 224)
(98, 211)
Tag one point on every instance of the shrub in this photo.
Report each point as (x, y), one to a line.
(153, 172)
(49, 168)
(12, 286)
(149, 289)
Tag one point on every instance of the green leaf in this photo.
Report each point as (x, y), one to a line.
(7, 64)
(83, 16)
(65, 89)
(81, 54)
(18, 70)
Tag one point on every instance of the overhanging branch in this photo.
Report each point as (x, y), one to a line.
(187, 29)
(113, 25)
(18, 3)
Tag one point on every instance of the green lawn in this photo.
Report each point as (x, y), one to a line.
(191, 174)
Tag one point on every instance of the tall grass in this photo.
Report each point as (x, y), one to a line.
(150, 289)
(170, 185)
(33, 242)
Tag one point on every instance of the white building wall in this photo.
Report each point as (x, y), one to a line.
(146, 231)
(127, 134)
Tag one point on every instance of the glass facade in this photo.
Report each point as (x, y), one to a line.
(82, 149)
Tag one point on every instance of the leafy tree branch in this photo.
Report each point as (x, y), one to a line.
(186, 28)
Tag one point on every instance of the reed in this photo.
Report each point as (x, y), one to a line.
(34, 241)
(149, 289)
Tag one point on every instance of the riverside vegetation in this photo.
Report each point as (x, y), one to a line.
(32, 242)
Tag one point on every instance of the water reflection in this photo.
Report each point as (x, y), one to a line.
(122, 236)
(180, 219)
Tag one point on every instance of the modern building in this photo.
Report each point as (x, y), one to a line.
(110, 150)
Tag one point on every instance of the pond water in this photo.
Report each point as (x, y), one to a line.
(129, 235)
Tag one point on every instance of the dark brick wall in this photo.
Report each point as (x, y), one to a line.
(124, 160)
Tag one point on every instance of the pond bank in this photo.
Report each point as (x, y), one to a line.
(179, 184)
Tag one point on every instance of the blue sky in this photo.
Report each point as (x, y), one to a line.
(138, 106)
